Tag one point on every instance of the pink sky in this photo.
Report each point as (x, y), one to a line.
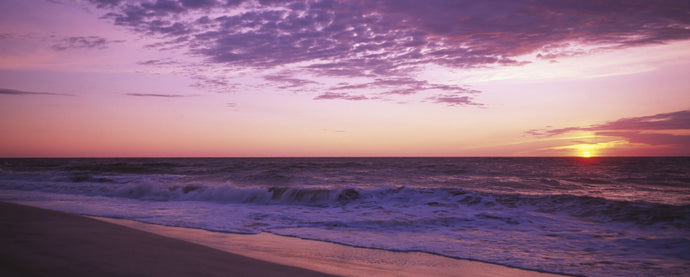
(106, 78)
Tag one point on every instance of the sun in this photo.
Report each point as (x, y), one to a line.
(586, 154)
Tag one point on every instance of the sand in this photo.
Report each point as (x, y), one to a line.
(37, 242)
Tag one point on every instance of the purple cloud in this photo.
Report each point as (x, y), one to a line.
(198, 3)
(679, 120)
(158, 62)
(652, 130)
(341, 96)
(83, 42)
(6, 91)
(392, 40)
(453, 100)
(287, 81)
(651, 139)
(391, 34)
(403, 86)
(157, 95)
(105, 3)
(665, 121)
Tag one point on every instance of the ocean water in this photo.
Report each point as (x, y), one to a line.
(580, 216)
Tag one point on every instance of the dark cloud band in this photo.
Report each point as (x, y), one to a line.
(22, 92)
(652, 130)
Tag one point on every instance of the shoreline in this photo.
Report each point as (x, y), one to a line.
(329, 257)
(268, 251)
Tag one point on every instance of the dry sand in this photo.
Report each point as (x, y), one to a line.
(37, 242)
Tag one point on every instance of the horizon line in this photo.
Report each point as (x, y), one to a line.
(325, 157)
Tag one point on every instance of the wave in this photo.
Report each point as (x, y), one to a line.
(232, 194)
(431, 199)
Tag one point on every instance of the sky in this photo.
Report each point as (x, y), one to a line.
(234, 78)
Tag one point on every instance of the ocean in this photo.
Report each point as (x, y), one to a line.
(580, 216)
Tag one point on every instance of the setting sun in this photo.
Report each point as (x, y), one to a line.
(586, 154)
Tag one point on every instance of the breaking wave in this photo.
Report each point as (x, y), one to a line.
(591, 208)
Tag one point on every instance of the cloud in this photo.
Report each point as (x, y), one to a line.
(341, 96)
(157, 95)
(158, 62)
(83, 42)
(403, 86)
(6, 91)
(395, 39)
(105, 3)
(679, 120)
(651, 139)
(287, 81)
(659, 129)
(232, 106)
(453, 100)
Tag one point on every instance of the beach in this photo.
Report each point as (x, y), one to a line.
(39, 242)
(386, 216)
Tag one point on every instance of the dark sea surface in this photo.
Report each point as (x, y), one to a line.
(584, 216)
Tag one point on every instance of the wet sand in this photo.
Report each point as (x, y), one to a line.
(37, 242)
(330, 257)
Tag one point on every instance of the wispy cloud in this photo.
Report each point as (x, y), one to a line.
(286, 80)
(158, 95)
(83, 42)
(158, 62)
(453, 100)
(232, 106)
(650, 138)
(679, 120)
(340, 96)
(6, 91)
(404, 86)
